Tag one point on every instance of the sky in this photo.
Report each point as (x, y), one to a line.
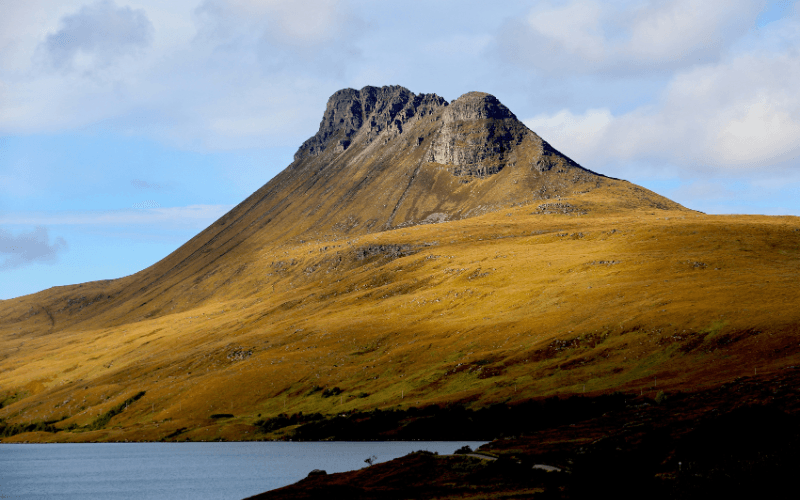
(127, 127)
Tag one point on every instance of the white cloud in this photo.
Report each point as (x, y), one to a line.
(625, 37)
(575, 29)
(735, 115)
(687, 29)
(29, 248)
(302, 36)
(192, 216)
(302, 23)
(207, 76)
(97, 36)
(581, 135)
(227, 74)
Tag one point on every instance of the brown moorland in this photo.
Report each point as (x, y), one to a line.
(415, 253)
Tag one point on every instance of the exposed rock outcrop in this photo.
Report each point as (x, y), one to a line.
(371, 111)
(387, 251)
(384, 157)
(477, 106)
(477, 137)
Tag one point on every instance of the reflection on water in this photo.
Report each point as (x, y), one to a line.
(117, 471)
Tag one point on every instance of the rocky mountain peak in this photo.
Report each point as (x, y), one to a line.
(385, 158)
(477, 106)
(478, 136)
(371, 111)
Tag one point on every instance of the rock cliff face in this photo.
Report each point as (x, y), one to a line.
(477, 106)
(477, 136)
(373, 109)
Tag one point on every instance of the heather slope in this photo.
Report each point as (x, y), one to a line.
(383, 158)
(415, 252)
(493, 308)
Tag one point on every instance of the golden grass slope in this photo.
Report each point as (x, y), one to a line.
(505, 306)
(378, 183)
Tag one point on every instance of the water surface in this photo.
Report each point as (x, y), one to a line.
(118, 471)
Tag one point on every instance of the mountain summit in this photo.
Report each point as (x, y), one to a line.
(386, 157)
(415, 253)
(383, 158)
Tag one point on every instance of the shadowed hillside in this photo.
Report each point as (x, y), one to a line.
(415, 252)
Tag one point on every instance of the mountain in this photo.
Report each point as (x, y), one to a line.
(383, 158)
(436, 251)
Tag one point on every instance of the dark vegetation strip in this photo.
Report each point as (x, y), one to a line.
(444, 423)
(8, 430)
(103, 419)
(217, 416)
(174, 434)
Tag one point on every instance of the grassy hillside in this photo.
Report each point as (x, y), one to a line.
(559, 296)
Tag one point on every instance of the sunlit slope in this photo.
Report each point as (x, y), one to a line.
(509, 305)
(410, 160)
(414, 252)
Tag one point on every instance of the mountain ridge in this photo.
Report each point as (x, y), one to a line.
(388, 177)
(446, 253)
(409, 159)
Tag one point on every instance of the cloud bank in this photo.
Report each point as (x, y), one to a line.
(191, 217)
(624, 37)
(29, 248)
(735, 115)
(715, 90)
(97, 35)
(738, 115)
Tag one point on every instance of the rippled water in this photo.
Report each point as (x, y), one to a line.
(117, 471)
